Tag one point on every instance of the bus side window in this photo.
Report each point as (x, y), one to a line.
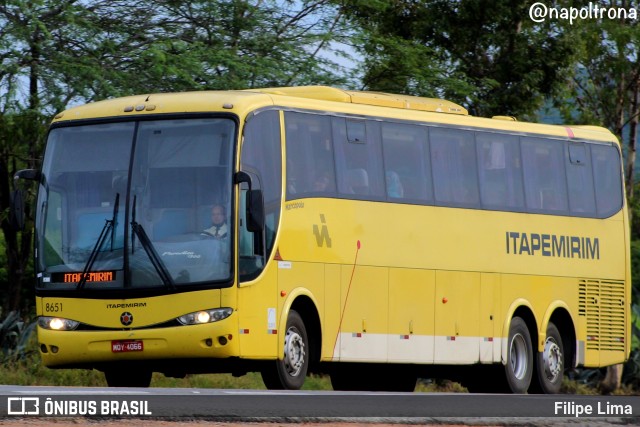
(310, 164)
(453, 158)
(608, 179)
(406, 161)
(579, 180)
(500, 171)
(544, 174)
(296, 133)
(358, 158)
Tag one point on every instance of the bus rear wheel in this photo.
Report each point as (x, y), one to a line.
(290, 372)
(550, 363)
(519, 367)
(126, 377)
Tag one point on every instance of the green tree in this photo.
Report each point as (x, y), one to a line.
(54, 53)
(23, 34)
(238, 44)
(486, 55)
(605, 86)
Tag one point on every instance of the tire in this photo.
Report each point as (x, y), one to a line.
(125, 377)
(550, 363)
(519, 366)
(290, 372)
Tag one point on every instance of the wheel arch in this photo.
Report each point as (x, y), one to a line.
(302, 301)
(523, 309)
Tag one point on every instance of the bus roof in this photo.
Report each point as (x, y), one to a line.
(379, 99)
(326, 99)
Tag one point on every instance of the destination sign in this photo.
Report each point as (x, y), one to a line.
(92, 276)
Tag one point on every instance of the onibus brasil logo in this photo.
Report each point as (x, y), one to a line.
(70, 407)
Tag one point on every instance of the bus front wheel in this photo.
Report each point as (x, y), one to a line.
(519, 367)
(550, 363)
(290, 372)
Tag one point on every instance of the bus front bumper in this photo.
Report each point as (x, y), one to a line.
(76, 348)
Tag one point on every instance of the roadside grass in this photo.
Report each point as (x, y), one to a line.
(27, 370)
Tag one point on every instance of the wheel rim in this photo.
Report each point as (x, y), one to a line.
(294, 352)
(552, 359)
(518, 356)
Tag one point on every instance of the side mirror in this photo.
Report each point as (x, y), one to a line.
(30, 174)
(16, 216)
(255, 210)
(16, 213)
(255, 203)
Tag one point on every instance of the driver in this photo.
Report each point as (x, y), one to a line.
(219, 227)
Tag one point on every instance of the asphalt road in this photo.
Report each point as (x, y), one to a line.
(315, 406)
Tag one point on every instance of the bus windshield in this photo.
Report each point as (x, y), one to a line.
(136, 205)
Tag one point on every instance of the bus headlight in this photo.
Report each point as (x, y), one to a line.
(205, 316)
(57, 323)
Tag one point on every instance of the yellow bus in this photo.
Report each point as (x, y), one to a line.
(374, 237)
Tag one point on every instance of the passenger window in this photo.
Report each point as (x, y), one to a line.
(500, 171)
(453, 158)
(358, 154)
(580, 181)
(544, 175)
(406, 162)
(608, 179)
(310, 164)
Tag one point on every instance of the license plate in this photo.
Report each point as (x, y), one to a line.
(125, 346)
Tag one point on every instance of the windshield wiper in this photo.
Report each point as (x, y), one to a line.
(109, 227)
(114, 220)
(161, 269)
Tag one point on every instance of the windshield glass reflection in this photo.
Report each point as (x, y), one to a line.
(151, 188)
